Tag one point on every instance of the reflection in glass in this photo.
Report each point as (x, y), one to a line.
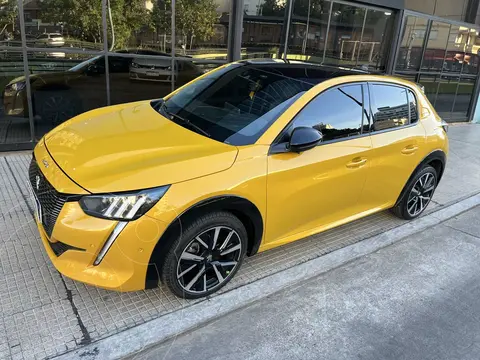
(447, 89)
(308, 30)
(375, 40)
(336, 113)
(14, 121)
(471, 59)
(463, 98)
(455, 55)
(344, 34)
(142, 78)
(390, 107)
(433, 59)
(262, 30)
(63, 88)
(430, 84)
(410, 52)
(55, 24)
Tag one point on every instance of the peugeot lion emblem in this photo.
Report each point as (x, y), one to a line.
(45, 162)
(37, 182)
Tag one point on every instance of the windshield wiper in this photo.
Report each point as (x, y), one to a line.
(188, 122)
(160, 106)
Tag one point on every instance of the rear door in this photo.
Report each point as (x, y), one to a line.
(397, 139)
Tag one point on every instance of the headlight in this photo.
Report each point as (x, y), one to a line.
(18, 86)
(125, 206)
(134, 65)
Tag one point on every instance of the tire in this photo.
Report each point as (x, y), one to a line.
(417, 194)
(57, 106)
(191, 269)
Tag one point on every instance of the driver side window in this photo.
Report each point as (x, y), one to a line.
(337, 113)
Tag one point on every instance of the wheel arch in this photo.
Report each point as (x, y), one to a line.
(242, 208)
(437, 159)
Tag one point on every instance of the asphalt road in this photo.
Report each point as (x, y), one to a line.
(416, 299)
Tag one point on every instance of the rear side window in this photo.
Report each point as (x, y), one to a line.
(390, 106)
(336, 113)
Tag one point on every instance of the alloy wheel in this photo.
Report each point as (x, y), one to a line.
(209, 260)
(421, 194)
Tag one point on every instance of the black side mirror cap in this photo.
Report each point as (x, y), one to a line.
(304, 138)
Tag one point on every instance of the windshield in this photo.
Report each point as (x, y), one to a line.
(238, 103)
(84, 63)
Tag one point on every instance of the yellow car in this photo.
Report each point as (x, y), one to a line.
(248, 157)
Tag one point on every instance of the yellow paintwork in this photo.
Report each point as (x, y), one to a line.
(130, 146)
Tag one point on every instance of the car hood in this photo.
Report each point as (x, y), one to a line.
(130, 147)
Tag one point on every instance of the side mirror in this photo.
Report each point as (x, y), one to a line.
(304, 138)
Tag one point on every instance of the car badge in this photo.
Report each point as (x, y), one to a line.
(45, 162)
(37, 182)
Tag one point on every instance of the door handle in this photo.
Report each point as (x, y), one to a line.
(410, 149)
(356, 163)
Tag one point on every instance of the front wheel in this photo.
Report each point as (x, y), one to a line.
(205, 256)
(418, 194)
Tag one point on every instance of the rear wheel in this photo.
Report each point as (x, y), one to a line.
(417, 194)
(206, 255)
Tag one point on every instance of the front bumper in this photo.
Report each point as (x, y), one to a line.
(124, 267)
(73, 240)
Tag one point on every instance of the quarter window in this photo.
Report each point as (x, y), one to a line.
(390, 107)
(412, 101)
(336, 113)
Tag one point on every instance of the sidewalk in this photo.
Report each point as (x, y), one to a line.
(416, 299)
(43, 314)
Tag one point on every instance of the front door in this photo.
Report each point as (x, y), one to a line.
(318, 188)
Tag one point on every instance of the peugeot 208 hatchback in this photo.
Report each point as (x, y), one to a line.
(248, 157)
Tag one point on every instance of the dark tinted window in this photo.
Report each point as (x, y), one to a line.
(413, 106)
(389, 105)
(336, 113)
(238, 103)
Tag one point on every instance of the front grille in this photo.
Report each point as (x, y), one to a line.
(59, 248)
(51, 201)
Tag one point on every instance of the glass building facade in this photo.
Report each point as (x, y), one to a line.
(60, 58)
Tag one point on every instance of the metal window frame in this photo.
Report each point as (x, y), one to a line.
(418, 73)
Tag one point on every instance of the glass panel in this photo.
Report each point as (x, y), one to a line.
(142, 78)
(9, 24)
(470, 64)
(65, 87)
(446, 95)
(14, 121)
(343, 120)
(308, 30)
(262, 32)
(456, 49)
(376, 40)
(344, 35)
(413, 107)
(71, 24)
(430, 84)
(410, 52)
(463, 98)
(390, 107)
(433, 59)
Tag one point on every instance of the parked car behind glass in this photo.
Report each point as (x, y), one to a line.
(59, 95)
(50, 40)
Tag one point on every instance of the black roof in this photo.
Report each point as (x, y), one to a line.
(300, 69)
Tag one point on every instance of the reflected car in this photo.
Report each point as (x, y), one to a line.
(160, 69)
(50, 40)
(246, 158)
(59, 95)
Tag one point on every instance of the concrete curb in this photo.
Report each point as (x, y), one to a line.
(135, 339)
